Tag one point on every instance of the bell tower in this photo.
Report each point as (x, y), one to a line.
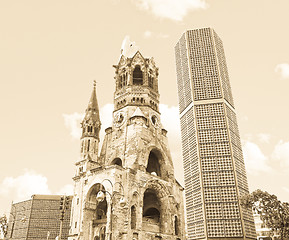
(136, 80)
(129, 192)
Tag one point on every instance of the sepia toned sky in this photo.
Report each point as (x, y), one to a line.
(51, 51)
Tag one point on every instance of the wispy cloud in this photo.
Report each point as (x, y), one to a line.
(283, 70)
(171, 9)
(72, 122)
(22, 187)
(171, 122)
(106, 116)
(264, 137)
(256, 162)
(281, 153)
(149, 34)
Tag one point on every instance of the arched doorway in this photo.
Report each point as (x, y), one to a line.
(95, 214)
(151, 211)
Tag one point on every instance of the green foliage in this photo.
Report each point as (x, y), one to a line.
(273, 212)
(4, 225)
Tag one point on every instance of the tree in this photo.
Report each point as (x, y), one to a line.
(4, 225)
(273, 212)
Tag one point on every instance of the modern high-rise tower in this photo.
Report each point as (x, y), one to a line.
(215, 175)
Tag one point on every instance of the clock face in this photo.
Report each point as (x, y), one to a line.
(119, 119)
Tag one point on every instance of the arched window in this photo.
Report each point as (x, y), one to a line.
(176, 226)
(88, 145)
(153, 166)
(137, 76)
(133, 217)
(117, 161)
(151, 207)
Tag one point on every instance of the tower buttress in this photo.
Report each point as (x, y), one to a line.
(90, 130)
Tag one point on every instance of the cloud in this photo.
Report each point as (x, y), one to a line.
(171, 122)
(72, 122)
(66, 190)
(162, 35)
(283, 69)
(172, 9)
(256, 162)
(22, 187)
(264, 137)
(281, 153)
(147, 34)
(106, 115)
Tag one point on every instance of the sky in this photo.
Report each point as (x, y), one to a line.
(51, 51)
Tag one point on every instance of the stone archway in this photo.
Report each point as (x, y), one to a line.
(155, 206)
(94, 213)
(155, 163)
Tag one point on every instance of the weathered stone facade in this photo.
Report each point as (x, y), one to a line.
(129, 191)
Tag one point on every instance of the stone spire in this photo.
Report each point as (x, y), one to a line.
(90, 129)
(91, 122)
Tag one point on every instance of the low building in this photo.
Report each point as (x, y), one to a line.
(39, 218)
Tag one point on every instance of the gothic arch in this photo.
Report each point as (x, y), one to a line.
(138, 59)
(155, 163)
(161, 193)
(138, 76)
(160, 189)
(154, 206)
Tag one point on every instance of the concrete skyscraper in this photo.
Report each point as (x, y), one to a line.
(215, 175)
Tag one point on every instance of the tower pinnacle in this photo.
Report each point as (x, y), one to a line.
(91, 128)
(92, 111)
(91, 119)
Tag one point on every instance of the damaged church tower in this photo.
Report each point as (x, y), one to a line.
(129, 191)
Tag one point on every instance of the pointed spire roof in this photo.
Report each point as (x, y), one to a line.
(92, 111)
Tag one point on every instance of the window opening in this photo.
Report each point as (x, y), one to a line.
(153, 166)
(117, 161)
(137, 76)
(133, 217)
